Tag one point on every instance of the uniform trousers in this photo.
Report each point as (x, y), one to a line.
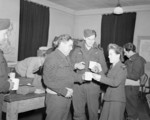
(113, 110)
(57, 107)
(86, 94)
(132, 93)
(1, 104)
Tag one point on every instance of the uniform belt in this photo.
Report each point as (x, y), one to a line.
(50, 91)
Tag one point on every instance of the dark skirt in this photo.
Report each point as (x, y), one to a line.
(113, 110)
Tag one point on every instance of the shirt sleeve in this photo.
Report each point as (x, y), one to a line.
(115, 81)
(4, 84)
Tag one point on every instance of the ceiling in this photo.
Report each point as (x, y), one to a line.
(97, 4)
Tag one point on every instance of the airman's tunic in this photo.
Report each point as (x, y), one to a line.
(135, 68)
(88, 92)
(4, 84)
(114, 98)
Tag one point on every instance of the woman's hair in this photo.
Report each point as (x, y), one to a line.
(54, 46)
(95, 33)
(62, 38)
(117, 49)
(129, 47)
(54, 43)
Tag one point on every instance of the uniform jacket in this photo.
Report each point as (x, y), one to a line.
(81, 54)
(116, 83)
(58, 73)
(135, 67)
(4, 84)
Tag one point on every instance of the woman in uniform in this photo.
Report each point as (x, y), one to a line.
(114, 98)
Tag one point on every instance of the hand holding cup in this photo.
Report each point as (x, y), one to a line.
(80, 65)
(69, 92)
(95, 67)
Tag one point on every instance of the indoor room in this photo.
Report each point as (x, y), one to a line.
(35, 24)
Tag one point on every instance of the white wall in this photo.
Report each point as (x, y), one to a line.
(60, 23)
(10, 9)
(87, 22)
(142, 26)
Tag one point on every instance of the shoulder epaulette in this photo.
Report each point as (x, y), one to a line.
(123, 67)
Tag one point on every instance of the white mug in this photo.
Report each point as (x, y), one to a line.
(88, 76)
(92, 64)
(16, 83)
(12, 75)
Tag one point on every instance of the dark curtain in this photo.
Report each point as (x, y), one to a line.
(118, 29)
(34, 26)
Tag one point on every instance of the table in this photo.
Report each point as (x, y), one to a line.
(15, 104)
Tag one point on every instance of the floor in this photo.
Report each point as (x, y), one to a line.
(144, 112)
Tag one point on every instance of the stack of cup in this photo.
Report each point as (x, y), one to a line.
(14, 80)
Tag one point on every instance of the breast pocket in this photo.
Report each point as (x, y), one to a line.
(79, 57)
(63, 70)
(95, 57)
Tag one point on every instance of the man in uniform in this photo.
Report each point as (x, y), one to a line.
(5, 84)
(87, 93)
(135, 69)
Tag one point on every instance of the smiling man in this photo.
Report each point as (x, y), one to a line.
(59, 78)
(88, 92)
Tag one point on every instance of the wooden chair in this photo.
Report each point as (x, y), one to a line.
(143, 81)
(148, 87)
(148, 99)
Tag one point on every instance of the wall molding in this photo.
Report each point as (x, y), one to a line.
(110, 10)
(54, 6)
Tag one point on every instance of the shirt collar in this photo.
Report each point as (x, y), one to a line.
(66, 58)
(60, 53)
(95, 46)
